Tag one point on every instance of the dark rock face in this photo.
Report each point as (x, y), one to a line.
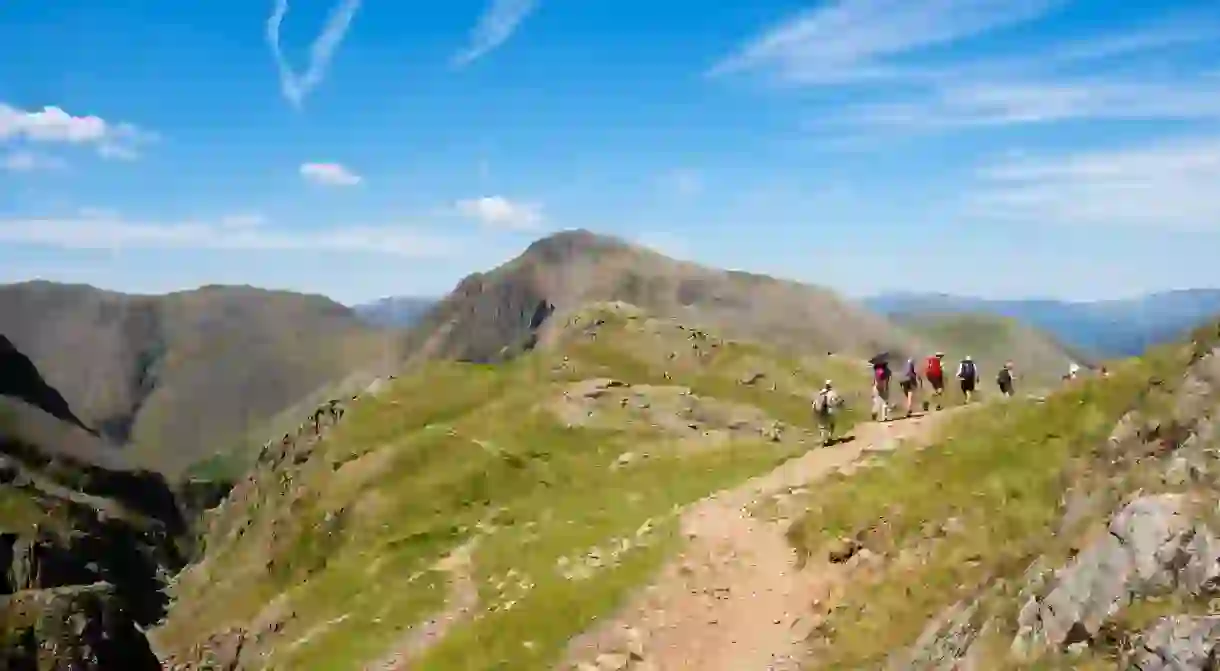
(488, 321)
(20, 379)
(82, 566)
(76, 628)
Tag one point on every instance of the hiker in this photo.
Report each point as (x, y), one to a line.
(881, 391)
(934, 372)
(1105, 372)
(1004, 379)
(967, 375)
(1073, 370)
(825, 405)
(910, 380)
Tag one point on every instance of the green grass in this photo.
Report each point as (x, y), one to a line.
(1000, 473)
(593, 507)
(457, 452)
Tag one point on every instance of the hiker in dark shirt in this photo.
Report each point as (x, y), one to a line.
(967, 375)
(1004, 379)
(910, 381)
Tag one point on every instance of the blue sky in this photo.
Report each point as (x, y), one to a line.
(361, 149)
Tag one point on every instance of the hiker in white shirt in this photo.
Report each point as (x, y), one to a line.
(825, 405)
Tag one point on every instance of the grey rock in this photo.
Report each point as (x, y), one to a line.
(1140, 553)
(1200, 573)
(1179, 643)
(944, 642)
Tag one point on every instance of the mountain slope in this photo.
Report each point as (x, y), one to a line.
(84, 547)
(513, 471)
(178, 376)
(991, 341)
(494, 314)
(1108, 328)
(553, 509)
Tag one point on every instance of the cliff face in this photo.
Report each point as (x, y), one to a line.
(85, 548)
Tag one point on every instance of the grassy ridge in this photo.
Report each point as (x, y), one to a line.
(458, 452)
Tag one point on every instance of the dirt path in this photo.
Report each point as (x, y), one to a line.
(462, 600)
(733, 600)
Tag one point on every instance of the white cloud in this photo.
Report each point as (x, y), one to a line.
(1166, 185)
(110, 232)
(329, 174)
(54, 125)
(500, 19)
(97, 213)
(499, 212)
(243, 221)
(1036, 101)
(28, 161)
(297, 85)
(897, 48)
(851, 40)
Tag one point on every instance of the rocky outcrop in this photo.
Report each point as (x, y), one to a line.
(1152, 547)
(75, 628)
(1155, 545)
(1178, 642)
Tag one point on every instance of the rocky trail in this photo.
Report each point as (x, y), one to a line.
(734, 599)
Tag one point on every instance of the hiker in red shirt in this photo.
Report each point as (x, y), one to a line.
(934, 373)
(881, 391)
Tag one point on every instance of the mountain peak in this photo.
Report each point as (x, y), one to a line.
(565, 245)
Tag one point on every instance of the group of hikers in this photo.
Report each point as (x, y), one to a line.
(828, 401)
(934, 374)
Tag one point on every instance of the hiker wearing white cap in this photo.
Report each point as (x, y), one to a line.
(825, 405)
(967, 375)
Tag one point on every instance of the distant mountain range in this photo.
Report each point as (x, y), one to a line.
(1122, 327)
(179, 376)
(395, 311)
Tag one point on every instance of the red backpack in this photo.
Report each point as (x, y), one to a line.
(933, 367)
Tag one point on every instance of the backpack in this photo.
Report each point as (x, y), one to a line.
(1004, 376)
(968, 370)
(821, 404)
(932, 369)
